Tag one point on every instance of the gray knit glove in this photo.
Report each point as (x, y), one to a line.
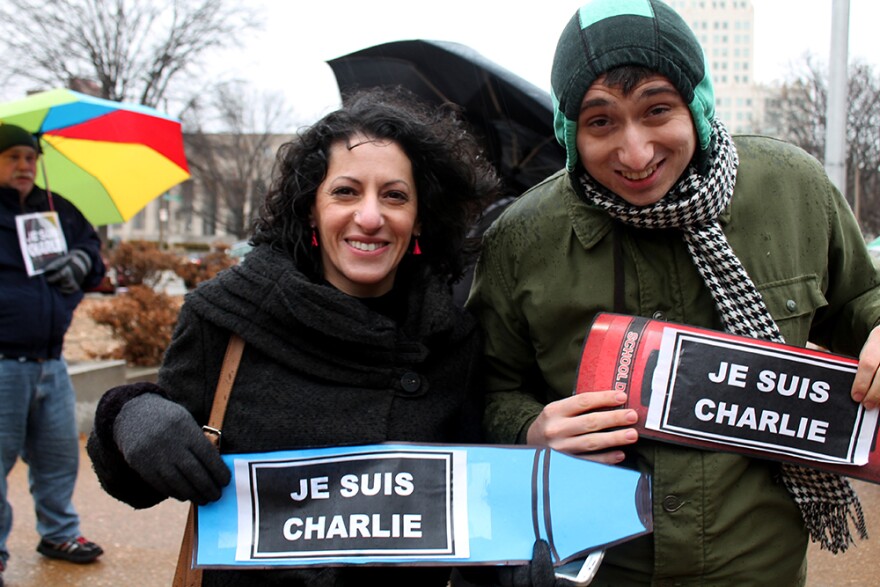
(538, 573)
(67, 272)
(162, 442)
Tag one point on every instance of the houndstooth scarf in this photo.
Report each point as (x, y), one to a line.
(827, 501)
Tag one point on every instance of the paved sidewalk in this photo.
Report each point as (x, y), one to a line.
(141, 546)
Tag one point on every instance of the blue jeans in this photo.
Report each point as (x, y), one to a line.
(38, 423)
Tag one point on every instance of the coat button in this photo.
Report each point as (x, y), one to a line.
(658, 315)
(791, 305)
(672, 503)
(410, 382)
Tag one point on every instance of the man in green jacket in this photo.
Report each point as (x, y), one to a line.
(660, 213)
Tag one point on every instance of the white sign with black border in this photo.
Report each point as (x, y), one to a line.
(394, 502)
(758, 397)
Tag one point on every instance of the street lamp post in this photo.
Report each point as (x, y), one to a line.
(835, 114)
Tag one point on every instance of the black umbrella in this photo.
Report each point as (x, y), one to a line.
(513, 117)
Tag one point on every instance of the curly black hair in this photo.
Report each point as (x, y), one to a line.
(454, 179)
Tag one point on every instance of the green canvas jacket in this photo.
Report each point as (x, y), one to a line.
(547, 268)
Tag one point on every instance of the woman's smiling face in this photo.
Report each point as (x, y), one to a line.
(365, 215)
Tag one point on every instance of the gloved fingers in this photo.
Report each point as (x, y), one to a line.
(57, 263)
(80, 262)
(539, 572)
(213, 466)
(200, 485)
(204, 470)
(515, 576)
(55, 275)
(68, 272)
(198, 474)
(210, 461)
(162, 442)
(167, 483)
(184, 480)
(171, 481)
(542, 573)
(64, 280)
(159, 464)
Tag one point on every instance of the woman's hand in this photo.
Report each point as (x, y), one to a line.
(162, 442)
(586, 424)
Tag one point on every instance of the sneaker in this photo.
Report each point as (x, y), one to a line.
(79, 550)
(2, 568)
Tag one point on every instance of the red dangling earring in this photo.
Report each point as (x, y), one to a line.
(314, 239)
(416, 249)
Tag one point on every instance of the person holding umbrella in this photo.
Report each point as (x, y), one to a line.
(351, 334)
(48, 254)
(660, 213)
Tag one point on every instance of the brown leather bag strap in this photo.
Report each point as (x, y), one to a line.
(185, 575)
(224, 388)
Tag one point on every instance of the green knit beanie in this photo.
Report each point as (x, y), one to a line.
(15, 136)
(605, 34)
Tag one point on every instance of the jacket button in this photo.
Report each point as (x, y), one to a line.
(791, 305)
(410, 382)
(672, 503)
(658, 315)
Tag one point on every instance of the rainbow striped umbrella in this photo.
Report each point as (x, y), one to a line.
(109, 158)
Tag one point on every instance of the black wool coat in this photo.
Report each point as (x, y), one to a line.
(319, 368)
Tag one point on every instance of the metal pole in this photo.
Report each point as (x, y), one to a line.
(835, 115)
(857, 188)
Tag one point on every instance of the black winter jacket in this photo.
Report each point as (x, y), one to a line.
(35, 316)
(319, 368)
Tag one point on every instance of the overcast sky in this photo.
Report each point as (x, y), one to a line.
(289, 54)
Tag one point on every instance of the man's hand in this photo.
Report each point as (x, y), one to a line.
(866, 386)
(585, 424)
(67, 272)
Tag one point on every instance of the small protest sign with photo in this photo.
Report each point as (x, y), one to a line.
(41, 239)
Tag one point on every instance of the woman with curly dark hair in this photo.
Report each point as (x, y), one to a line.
(351, 333)
(453, 178)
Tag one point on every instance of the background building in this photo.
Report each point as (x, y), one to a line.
(726, 30)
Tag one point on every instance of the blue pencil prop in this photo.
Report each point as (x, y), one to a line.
(412, 504)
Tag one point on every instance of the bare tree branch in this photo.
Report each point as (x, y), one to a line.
(233, 164)
(133, 49)
(799, 116)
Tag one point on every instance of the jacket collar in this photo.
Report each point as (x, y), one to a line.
(9, 198)
(36, 199)
(33, 201)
